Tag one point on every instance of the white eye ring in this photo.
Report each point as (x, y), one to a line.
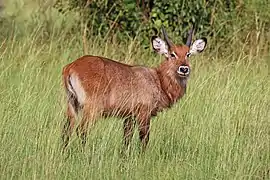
(173, 55)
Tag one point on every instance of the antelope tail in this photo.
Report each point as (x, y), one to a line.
(75, 92)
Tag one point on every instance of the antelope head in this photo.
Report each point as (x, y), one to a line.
(177, 55)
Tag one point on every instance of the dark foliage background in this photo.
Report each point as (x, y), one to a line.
(213, 18)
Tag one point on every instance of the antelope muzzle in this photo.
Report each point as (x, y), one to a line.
(183, 71)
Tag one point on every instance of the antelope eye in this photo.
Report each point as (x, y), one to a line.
(173, 55)
(188, 54)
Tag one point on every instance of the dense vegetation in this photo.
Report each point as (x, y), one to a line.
(219, 130)
(220, 20)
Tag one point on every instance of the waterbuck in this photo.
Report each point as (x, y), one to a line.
(97, 86)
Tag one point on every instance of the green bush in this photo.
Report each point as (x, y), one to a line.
(227, 24)
(212, 18)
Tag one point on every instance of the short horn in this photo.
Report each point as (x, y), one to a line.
(189, 38)
(168, 41)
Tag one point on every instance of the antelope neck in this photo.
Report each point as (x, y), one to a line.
(173, 87)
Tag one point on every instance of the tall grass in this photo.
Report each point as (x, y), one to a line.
(219, 130)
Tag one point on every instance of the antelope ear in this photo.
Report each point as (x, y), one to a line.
(198, 46)
(160, 46)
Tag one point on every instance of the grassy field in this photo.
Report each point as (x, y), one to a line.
(219, 130)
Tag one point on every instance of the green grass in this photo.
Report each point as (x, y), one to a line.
(219, 130)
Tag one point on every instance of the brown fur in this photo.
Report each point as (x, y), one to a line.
(117, 89)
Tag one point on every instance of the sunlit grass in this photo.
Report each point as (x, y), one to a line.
(219, 130)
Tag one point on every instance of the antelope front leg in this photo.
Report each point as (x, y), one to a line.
(128, 131)
(144, 130)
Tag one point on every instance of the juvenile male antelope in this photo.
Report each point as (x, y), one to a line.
(97, 86)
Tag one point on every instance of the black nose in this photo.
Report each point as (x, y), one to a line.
(184, 69)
